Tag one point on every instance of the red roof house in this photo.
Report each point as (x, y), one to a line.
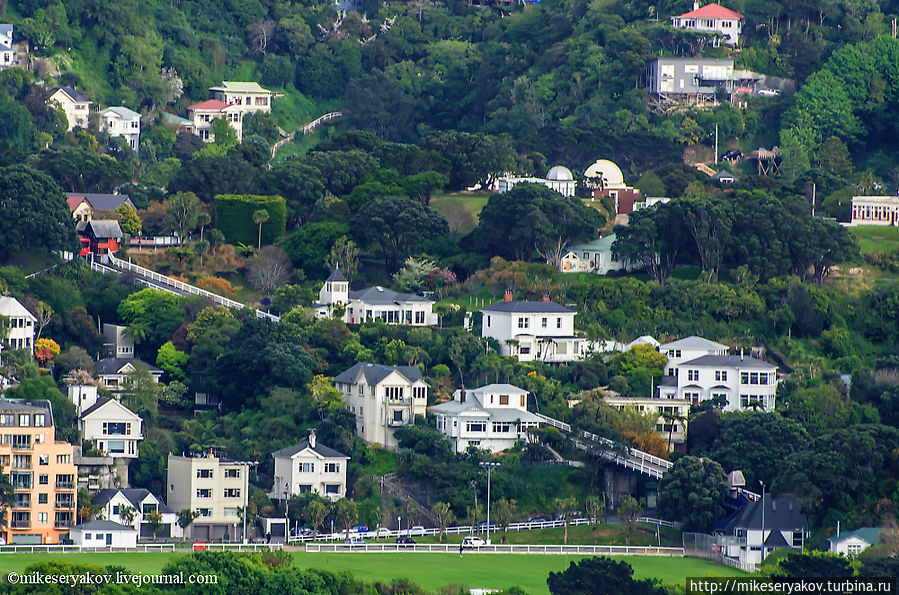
(712, 18)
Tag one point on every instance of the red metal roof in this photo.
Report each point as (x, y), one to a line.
(711, 11)
(74, 201)
(209, 104)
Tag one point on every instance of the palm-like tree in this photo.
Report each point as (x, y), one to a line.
(260, 217)
(672, 419)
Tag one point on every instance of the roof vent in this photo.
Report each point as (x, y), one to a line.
(773, 505)
(379, 288)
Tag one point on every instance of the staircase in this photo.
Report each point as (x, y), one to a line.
(629, 458)
(390, 486)
(705, 169)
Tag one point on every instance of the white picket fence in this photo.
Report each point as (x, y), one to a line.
(449, 548)
(82, 549)
(237, 547)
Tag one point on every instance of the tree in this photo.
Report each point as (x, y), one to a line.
(653, 238)
(185, 518)
(182, 210)
(344, 254)
(259, 217)
(628, 512)
(444, 516)
(412, 275)
(140, 390)
(345, 513)
(128, 219)
(710, 223)
(7, 497)
(423, 185)
(127, 514)
(691, 492)
(325, 397)
(504, 511)
(596, 511)
(203, 219)
(172, 361)
(33, 213)
(223, 134)
(154, 520)
(315, 513)
(270, 269)
(601, 575)
(564, 507)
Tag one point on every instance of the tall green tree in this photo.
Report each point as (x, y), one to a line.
(653, 239)
(33, 213)
(692, 492)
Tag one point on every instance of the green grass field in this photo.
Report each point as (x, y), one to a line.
(875, 238)
(431, 571)
(460, 209)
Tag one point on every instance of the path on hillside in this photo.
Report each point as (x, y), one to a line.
(307, 128)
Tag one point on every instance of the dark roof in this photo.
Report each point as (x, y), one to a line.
(526, 307)
(776, 539)
(71, 93)
(27, 405)
(735, 361)
(336, 276)
(100, 402)
(668, 381)
(102, 525)
(112, 365)
(108, 228)
(382, 296)
(321, 449)
(375, 373)
(782, 512)
(134, 495)
(104, 202)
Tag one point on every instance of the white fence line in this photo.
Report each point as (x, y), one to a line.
(559, 425)
(311, 126)
(587, 550)
(237, 547)
(637, 460)
(71, 549)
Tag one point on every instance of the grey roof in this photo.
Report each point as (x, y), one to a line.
(26, 405)
(375, 373)
(735, 361)
(724, 174)
(173, 119)
(336, 275)
(471, 406)
(6, 29)
(870, 535)
(71, 93)
(105, 202)
(112, 365)
(381, 296)
(134, 495)
(526, 307)
(597, 245)
(102, 525)
(121, 111)
(104, 228)
(782, 512)
(99, 403)
(693, 342)
(320, 449)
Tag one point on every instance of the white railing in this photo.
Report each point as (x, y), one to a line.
(754, 496)
(167, 284)
(559, 425)
(238, 547)
(443, 548)
(637, 460)
(311, 126)
(71, 549)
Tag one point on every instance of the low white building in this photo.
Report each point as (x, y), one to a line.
(875, 210)
(558, 178)
(852, 543)
(7, 51)
(785, 526)
(113, 429)
(371, 304)
(383, 398)
(492, 417)
(533, 331)
(82, 396)
(203, 114)
(741, 382)
(248, 96)
(592, 257)
(671, 421)
(214, 488)
(112, 371)
(103, 534)
(712, 18)
(310, 467)
(121, 121)
(113, 504)
(75, 106)
(21, 324)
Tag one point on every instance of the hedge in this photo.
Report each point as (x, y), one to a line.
(234, 217)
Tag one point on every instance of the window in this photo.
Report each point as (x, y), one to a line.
(7, 419)
(559, 322)
(204, 473)
(204, 493)
(488, 324)
(148, 508)
(232, 473)
(332, 488)
(693, 375)
(231, 512)
(21, 461)
(42, 518)
(332, 468)
(116, 428)
(43, 480)
(394, 392)
(753, 378)
(543, 322)
(476, 426)
(39, 419)
(502, 427)
(42, 498)
(525, 350)
(504, 399)
(232, 492)
(24, 420)
(523, 397)
(65, 482)
(63, 459)
(43, 460)
(744, 377)
(721, 375)
(397, 415)
(524, 323)
(21, 441)
(419, 317)
(204, 511)
(262, 101)
(21, 480)
(307, 467)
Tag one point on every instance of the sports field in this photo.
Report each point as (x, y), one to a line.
(875, 238)
(431, 571)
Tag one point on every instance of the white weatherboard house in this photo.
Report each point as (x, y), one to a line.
(75, 105)
(214, 488)
(744, 539)
(712, 18)
(383, 398)
(310, 467)
(21, 324)
(203, 114)
(121, 121)
(103, 534)
(112, 371)
(248, 96)
(114, 502)
(852, 543)
(492, 417)
(112, 429)
(7, 51)
(592, 257)
(671, 420)
(533, 331)
(372, 303)
(558, 178)
(686, 349)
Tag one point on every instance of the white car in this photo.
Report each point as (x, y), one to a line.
(769, 92)
(472, 541)
(417, 530)
(381, 532)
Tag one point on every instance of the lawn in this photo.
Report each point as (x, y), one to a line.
(460, 209)
(876, 238)
(578, 535)
(431, 571)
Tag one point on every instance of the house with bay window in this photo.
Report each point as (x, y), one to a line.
(382, 398)
(533, 331)
(116, 504)
(309, 467)
(739, 382)
(372, 303)
(112, 428)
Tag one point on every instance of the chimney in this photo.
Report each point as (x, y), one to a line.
(508, 296)
(312, 439)
(695, 4)
(545, 298)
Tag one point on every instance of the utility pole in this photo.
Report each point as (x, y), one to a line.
(763, 521)
(489, 467)
(813, 200)
(716, 144)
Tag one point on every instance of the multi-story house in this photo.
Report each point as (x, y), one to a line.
(372, 303)
(686, 349)
(204, 113)
(533, 331)
(248, 96)
(7, 51)
(20, 334)
(41, 472)
(118, 344)
(712, 18)
(697, 78)
(131, 507)
(671, 420)
(592, 257)
(121, 121)
(492, 417)
(744, 538)
(112, 429)
(112, 371)
(739, 382)
(76, 106)
(382, 398)
(215, 488)
(83, 204)
(309, 467)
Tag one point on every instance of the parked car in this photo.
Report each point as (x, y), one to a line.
(538, 519)
(416, 530)
(405, 541)
(484, 525)
(382, 532)
(354, 541)
(732, 155)
(301, 532)
(472, 541)
(359, 529)
(769, 92)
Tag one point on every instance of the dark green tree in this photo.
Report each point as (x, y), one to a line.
(692, 492)
(601, 576)
(33, 213)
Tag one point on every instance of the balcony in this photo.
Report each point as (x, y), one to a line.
(63, 524)
(65, 485)
(22, 524)
(65, 504)
(395, 423)
(20, 446)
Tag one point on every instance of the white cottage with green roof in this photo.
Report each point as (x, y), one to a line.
(592, 257)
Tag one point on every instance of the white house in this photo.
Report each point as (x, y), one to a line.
(383, 398)
(310, 467)
(785, 526)
(121, 121)
(114, 502)
(214, 488)
(875, 210)
(711, 18)
(103, 534)
(21, 324)
(204, 113)
(112, 429)
(372, 303)
(591, 257)
(118, 344)
(558, 178)
(112, 371)
(75, 105)
(492, 417)
(533, 331)
(671, 421)
(248, 96)
(687, 349)
(855, 542)
(83, 396)
(7, 51)
(742, 382)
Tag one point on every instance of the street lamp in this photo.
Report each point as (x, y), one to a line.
(399, 526)
(763, 520)
(489, 467)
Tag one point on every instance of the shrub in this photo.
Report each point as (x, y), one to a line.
(234, 217)
(218, 285)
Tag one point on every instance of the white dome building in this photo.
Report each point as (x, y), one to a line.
(608, 172)
(558, 178)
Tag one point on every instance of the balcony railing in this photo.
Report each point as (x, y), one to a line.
(20, 446)
(63, 524)
(65, 485)
(20, 524)
(65, 504)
